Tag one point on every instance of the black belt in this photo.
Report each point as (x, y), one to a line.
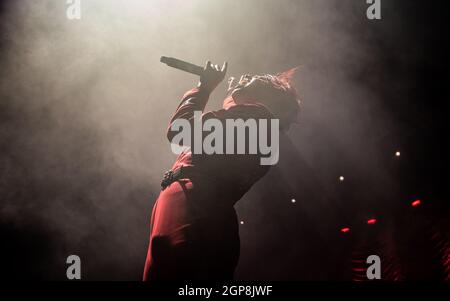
(184, 172)
(171, 176)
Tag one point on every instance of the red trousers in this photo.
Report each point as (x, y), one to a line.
(191, 240)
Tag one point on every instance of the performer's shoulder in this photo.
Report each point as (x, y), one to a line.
(255, 110)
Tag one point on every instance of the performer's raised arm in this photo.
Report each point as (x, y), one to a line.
(196, 99)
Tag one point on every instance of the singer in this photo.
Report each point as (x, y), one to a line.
(194, 231)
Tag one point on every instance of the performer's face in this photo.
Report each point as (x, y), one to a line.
(250, 88)
(260, 88)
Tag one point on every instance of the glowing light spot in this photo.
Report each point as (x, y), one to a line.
(242, 222)
(345, 230)
(416, 203)
(397, 154)
(293, 201)
(372, 221)
(341, 178)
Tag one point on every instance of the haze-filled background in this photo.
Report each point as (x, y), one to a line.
(84, 106)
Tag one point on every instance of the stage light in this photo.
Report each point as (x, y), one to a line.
(345, 230)
(293, 201)
(372, 221)
(341, 178)
(397, 154)
(416, 203)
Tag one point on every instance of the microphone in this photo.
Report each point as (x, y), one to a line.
(182, 65)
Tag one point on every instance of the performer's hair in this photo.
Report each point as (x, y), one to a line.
(287, 105)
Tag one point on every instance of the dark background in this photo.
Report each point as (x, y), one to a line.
(384, 85)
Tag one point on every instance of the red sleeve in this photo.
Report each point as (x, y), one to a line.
(196, 100)
(193, 100)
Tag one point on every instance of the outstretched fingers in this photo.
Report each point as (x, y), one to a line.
(224, 67)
